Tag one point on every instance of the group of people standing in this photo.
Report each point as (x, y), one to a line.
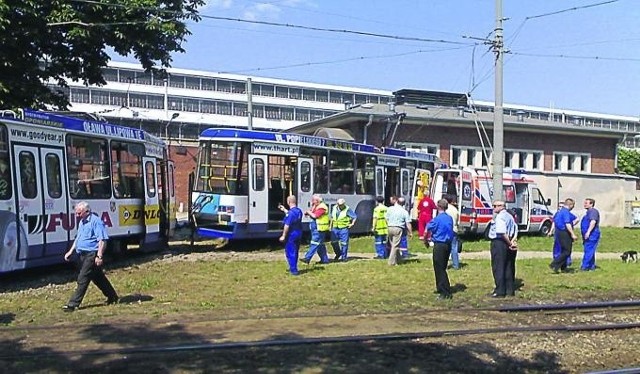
(564, 236)
(323, 224)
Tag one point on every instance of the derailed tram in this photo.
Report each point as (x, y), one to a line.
(50, 162)
(243, 175)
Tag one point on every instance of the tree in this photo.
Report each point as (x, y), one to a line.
(45, 43)
(629, 161)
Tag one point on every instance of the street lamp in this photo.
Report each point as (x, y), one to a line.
(166, 127)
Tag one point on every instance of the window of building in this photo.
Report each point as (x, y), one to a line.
(191, 105)
(143, 78)
(126, 169)
(315, 114)
(258, 111)
(267, 90)
(176, 81)
(137, 100)
(192, 83)
(79, 95)
(208, 84)
(575, 162)
(309, 94)
(88, 167)
(295, 93)
(240, 110)
(282, 92)
(455, 156)
(155, 102)
(302, 114)
(118, 99)
(175, 103)
(238, 87)
(322, 96)
(127, 76)
(286, 114)
(110, 74)
(271, 112)
(420, 147)
(508, 156)
(223, 85)
(361, 99)
(99, 97)
(208, 106)
(223, 107)
(341, 172)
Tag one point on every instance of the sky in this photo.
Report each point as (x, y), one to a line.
(570, 54)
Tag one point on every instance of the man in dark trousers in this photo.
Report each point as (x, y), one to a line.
(590, 229)
(502, 232)
(441, 229)
(563, 227)
(90, 244)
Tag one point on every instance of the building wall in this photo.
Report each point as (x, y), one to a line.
(184, 164)
(602, 150)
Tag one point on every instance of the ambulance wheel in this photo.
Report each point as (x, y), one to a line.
(545, 229)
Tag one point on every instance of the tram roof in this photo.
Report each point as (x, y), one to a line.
(86, 125)
(312, 141)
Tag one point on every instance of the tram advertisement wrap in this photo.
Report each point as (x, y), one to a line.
(132, 215)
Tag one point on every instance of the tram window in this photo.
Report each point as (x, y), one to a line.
(126, 169)
(54, 178)
(88, 167)
(5, 165)
(305, 176)
(365, 174)
(379, 182)
(151, 179)
(221, 168)
(28, 175)
(405, 182)
(257, 168)
(320, 168)
(341, 172)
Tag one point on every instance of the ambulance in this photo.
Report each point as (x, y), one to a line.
(473, 188)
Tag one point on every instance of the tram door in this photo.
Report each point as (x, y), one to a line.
(43, 204)
(258, 190)
(405, 186)
(305, 185)
(151, 204)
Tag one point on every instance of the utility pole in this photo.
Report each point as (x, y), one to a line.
(249, 104)
(498, 115)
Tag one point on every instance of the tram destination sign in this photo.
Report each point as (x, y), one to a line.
(276, 149)
(77, 124)
(388, 161)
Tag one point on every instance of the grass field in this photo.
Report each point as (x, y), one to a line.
(236, 289)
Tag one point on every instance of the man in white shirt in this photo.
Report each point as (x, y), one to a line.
(452, 210)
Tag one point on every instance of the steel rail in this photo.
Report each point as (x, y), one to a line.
(324, 340)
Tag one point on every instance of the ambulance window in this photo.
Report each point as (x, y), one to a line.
(509, 194)
(537, 197)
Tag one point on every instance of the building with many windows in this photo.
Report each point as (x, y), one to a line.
(547, 141)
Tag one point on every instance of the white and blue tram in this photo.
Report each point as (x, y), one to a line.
(243, 175)
(49, 162)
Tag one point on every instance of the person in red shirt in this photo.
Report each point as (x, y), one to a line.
(426, 206)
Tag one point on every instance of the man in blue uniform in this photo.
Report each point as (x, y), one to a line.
(441, 229)
(563, 227)
(590, 229)
(292, 233)
(342, 219)
(502, 232)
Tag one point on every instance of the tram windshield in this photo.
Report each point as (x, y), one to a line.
(223, 168)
